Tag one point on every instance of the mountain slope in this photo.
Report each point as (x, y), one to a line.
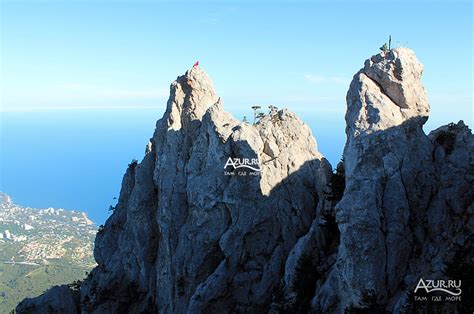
(407, 209)
(224, 216)
(40, 248)
(184, 224)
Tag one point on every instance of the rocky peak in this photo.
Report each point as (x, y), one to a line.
(192, 233)
(286, 141)
(190, 96)
(386, 92)
(401, 203)
(398, 72)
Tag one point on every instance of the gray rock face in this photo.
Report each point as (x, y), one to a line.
(186, 237)
(191, 234)
(407, 196)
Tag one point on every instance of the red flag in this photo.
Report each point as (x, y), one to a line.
(196, 64)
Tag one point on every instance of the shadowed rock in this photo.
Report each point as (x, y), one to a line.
(189, 237)
(59, 299)
(402, 210)
(186, 237)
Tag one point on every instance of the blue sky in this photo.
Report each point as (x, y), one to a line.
(61, 54)
(79, 60)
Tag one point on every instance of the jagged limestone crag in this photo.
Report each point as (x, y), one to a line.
(185, 237)
(407, 205)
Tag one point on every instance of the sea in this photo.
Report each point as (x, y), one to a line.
(75, 159)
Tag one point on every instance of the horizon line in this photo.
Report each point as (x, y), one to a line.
(88, 107)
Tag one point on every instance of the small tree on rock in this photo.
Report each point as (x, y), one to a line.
(255, 113)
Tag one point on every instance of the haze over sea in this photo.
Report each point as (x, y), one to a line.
(82, 83)
(75, 159)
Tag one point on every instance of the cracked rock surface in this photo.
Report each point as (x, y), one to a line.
(187, 237)
(407, 207)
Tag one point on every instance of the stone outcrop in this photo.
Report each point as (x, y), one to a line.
(407, 204)
(59, 299)
(188, 236)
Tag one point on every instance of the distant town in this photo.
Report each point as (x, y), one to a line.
(44, 234)
(55, 245)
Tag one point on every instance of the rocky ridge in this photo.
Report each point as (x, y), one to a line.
(407, 206)
(189, 236)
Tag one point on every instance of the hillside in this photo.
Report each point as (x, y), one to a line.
(40, 248)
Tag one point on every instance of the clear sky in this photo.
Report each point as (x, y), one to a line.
(84, 61)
